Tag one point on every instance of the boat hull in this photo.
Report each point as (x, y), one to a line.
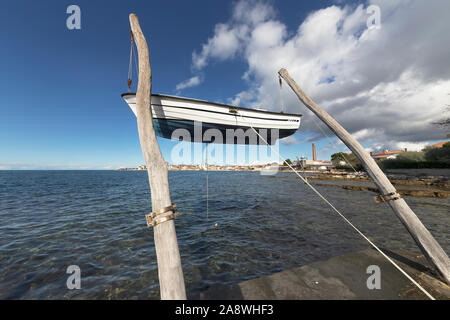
(214, 133)
(193, 120)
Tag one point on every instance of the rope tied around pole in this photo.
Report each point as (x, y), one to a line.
(151, 217)
(387, 197)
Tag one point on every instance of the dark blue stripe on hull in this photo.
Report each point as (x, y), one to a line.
(237, 134)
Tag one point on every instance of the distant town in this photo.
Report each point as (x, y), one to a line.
(213, 167)
(435, 155)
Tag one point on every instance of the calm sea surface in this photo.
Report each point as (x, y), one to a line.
(95, 219)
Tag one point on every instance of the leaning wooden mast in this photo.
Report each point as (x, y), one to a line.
(170, 272)
(429, 246)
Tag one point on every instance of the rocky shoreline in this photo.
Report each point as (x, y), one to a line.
(409, 183)
(433, 183)
(428, 193)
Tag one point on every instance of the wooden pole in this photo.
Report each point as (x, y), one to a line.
(170, 273)
(429, 246)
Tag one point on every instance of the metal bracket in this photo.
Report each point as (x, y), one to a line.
(151, 217)
(387, 197)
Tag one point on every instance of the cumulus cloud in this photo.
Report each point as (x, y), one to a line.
(227, 38)
(289, 140)
(242, 96)
(222, 46)
(387, 84)
(191, 82)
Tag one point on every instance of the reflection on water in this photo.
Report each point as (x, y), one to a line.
(95, 219)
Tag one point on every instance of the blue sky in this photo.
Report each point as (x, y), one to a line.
(61, 106)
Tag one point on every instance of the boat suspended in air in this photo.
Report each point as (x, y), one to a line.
(171, 113)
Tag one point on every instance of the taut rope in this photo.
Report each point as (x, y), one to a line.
(207, 198)
(130, 64)
(343, 217)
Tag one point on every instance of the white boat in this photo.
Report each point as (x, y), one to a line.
(171, 113)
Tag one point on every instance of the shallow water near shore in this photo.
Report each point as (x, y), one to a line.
(50, 220)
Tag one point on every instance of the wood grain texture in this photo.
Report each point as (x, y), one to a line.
(171, 280)
(426, 242)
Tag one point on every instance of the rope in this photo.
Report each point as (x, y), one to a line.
(207, 199)
(136, 65)
(345, 219)
(314, 120)
(320, 128)
(331, 142)
(130, 66)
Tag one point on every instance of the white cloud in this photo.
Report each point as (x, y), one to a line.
(387, 85)
(364, 134)
(241, 97)
(191, 82)
(289, 140)
(252, 12)
(409, 145)
(227, 38)
(222, 46)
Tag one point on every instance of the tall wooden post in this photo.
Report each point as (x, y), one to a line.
(170, 273)
(429, 246)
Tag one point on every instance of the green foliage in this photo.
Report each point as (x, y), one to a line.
(412, 156)
(337, 157)
(350, 158)
(439, 154)
(407, 164)
(429, 157)
(286, 162)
